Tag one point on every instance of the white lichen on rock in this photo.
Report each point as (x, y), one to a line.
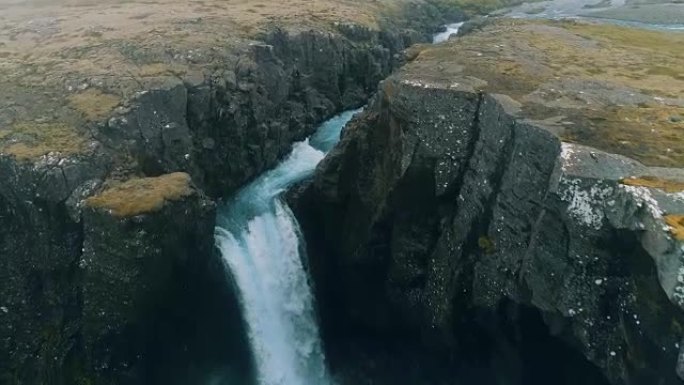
(643, 198)
(678, 292)
(421, 84)
(586, 202)
(566, 155)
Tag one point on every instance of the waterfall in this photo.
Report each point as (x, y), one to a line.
(259, 239)
(451, 29)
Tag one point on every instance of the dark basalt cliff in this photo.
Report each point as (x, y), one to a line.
(247, 117)
(108, 279)
(452, 219)
(100, 298)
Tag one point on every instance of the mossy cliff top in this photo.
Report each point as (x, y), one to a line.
(29, 140)
(478, 7)
(71, 63)
(618, 89)
(143, 195)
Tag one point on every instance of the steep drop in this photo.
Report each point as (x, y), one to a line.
(259, 239)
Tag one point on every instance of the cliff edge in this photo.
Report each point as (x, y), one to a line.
(526, 170)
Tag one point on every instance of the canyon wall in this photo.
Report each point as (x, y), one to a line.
(110, 274)
(451, 215)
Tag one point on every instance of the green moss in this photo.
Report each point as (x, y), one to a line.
(645, 133)
(83, 380)
(486, 245)
(76, 374)
(94, 104)
(631, 37)
(673, 72)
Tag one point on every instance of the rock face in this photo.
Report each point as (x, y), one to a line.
(109, 272)
(171, 247)
(451, 216)
(104, 297)
(278, 92)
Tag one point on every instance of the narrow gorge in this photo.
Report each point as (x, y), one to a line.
(113, 156)
(503, 207)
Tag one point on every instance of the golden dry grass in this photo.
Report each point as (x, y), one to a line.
(160, 69)
(49, 49)
(29, 140)
(94, 104)
(669, 186)
(477, 7)
(642, 59)
(676, 224)
(143, 195)
(615, 88)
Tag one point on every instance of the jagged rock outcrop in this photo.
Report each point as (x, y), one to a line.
(453, 208)
(128, 282)
(40, 244)
(170, 246)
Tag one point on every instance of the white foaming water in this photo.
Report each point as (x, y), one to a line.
(259, 240)
(451, 29)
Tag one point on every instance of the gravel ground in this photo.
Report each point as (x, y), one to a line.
(650, 14)
(654, 13)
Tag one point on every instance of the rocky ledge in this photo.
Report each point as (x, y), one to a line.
(524, 171)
